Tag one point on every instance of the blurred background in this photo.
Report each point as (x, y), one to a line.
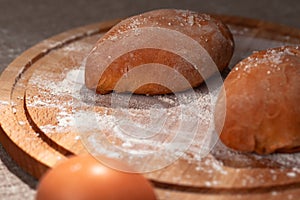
(25, 23)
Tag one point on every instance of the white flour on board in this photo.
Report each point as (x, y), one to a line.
(87, 120)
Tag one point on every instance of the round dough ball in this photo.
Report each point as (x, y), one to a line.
(159, 52)
(262, 103)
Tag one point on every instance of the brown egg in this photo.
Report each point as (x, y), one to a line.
(84, 178)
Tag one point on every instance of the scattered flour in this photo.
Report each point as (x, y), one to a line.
(195, 114)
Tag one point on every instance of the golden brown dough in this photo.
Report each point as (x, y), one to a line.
(167, 45)
(262, 103)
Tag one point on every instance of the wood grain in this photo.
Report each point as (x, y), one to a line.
(23, 118)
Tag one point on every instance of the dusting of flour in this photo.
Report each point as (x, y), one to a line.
(85, 118)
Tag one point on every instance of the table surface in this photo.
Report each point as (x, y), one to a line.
(25, 23)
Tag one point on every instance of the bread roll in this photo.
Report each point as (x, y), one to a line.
(262, 103)
(159, 52)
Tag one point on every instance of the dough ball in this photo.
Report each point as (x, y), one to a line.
(262, 103)
(159, 52)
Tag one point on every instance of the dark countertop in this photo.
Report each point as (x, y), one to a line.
(25, 23)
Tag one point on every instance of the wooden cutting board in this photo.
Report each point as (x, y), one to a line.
(37, 95)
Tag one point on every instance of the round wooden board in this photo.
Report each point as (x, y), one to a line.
(35, 106)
